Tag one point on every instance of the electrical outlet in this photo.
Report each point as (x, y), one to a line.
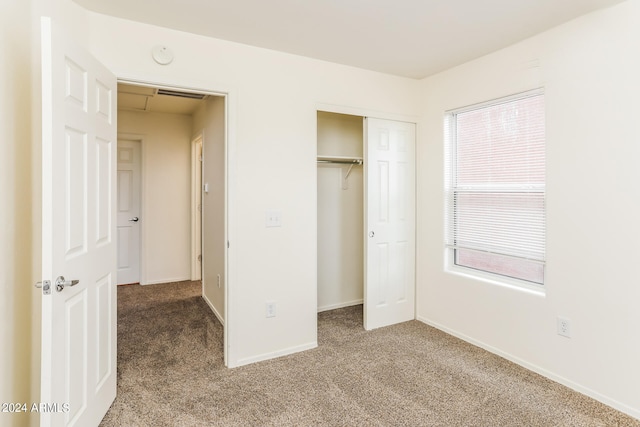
(564, 327)
(218, 281)
(271, 309)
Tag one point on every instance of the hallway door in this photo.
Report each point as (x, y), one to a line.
(129, 215)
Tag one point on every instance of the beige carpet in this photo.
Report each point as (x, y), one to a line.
(171, 373)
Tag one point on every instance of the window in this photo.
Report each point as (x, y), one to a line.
(495, 188)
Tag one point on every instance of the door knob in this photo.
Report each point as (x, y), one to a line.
(61, 283)
(134, 219)
(371, 234)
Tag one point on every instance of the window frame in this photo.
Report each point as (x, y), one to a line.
(451, 189)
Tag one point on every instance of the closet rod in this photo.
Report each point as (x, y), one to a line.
(340, 161)
(343, 161)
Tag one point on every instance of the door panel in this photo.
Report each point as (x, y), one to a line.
(104, 317)
(75, 190)
(390, 223)
(78, 370)
(103, 175)
(77, 349)
(129, 193)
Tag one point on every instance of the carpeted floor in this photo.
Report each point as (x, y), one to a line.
(171, 373)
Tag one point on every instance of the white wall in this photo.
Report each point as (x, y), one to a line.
(340, 213)
(16, 249)
(166, 193)
(273, 102)
(589, 69)
(210, 121)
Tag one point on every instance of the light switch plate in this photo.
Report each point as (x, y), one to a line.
(273, 218)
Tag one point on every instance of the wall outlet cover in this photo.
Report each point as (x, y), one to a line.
(270, 309)
(564, 327)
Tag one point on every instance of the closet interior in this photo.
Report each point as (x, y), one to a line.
(340, 210)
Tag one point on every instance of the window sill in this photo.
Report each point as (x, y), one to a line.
(496, 280)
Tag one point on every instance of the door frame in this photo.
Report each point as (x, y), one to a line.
(367, 113)
(140, 139)
(196, 216)
(230, 97)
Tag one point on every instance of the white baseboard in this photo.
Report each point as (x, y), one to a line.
(212, 307)
(552, 376)
(340, 305)
(161, 281)
(273, 355)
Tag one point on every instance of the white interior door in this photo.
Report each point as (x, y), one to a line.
(78, 376)
(389, 223)
(129, 179)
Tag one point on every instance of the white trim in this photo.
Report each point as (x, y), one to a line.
(170, 86)
(340, 305)
(274, 354)
(46, 180)
(537, 369)
(496, 101)
(491, 278)
(365, 112)
(210, 304)
(170, 280)
(230, 108)
(196, 186)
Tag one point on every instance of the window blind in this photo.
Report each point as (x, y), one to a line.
(495, 194)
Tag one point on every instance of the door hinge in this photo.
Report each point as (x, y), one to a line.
(46, 287)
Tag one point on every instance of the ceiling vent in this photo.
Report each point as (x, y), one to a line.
(179, 94)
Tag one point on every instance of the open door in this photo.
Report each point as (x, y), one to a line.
(78, 234)
(389, 223)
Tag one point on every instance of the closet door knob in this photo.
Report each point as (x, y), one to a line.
(371, 234)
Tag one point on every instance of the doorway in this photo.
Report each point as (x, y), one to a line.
(182, 222)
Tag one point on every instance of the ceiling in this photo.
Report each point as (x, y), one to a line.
(412, 38)
(150, 99)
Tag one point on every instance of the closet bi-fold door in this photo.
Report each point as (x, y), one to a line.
(390, 223)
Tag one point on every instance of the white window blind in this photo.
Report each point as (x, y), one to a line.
(495, 194)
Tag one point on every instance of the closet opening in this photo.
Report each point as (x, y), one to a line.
(340, 204)
(365, 219)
